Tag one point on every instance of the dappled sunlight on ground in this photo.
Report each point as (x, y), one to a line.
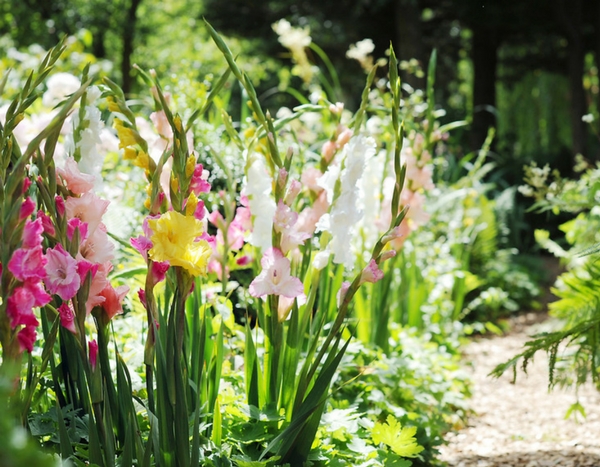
(522, 424)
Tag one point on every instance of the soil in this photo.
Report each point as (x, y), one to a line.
(522, 424)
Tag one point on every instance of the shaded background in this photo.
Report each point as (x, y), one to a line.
(528, 68)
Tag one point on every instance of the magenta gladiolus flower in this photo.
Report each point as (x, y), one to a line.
(19, 308)
(199, 183)
(26, 338)
(159, 271)
(46, 223)
(28, 263)
(77, 223)
(93, 350)
(32, 233)
(36, 289)
(62, 276)
(60, 205)
(67, 317)
(27, 208)
(275, 278)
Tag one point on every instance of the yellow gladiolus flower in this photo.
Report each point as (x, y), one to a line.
(175, 240)
(190, 165)
(126, 135)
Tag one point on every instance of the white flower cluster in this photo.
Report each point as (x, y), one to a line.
(291, 37)
(361, 51)
(258, 189)
(345, 213)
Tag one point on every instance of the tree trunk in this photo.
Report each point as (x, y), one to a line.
(484, 56)
(128, 37)
(571, 18)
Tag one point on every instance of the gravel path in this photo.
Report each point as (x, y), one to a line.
(522, 424)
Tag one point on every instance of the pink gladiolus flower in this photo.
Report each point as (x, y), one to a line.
(292, 193)
(310, 179)
(28, 264)
(93, 351)
(99, 282)
(89, 208)
(19, 308)
(284, 218)
(84, 266)
(371, 273)
(98, 248)
(141, 244)
(26, 338)
(73, 179)
(243, 260)
(342, 292)
(36, 289)
(27, 208)
(199, 183)
(67, 317)
(46, 223)
(32, 234)
(60, 205)
(112, 299)
(275, 278)
(26, 185)
(159, 271)
(142, 297)
(62, 276)
(76, 223)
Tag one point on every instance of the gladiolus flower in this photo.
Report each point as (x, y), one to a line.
(275, 278)
(26, 338)
(62, 277)
(60, 205)
(46, 223)
(371, 273)
(175, 240)
(32, 233)
(19, 308)
(113, 298)
(67, 317)
(89, 208)
(76, 223)
(28, 264)
(93, 351)
(75, 181)
(27, 208)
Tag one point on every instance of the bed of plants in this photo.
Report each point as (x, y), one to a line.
(182, 287)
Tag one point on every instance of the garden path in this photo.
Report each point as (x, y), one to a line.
(522, 424)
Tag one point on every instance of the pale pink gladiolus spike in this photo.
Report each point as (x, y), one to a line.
(62, 277)
(75, 181)
(371, 273)
(275, 278)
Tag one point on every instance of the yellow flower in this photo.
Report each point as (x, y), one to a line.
(112, 104)
(174, 240)
(190, 165)
(126, 135)
(190, 206)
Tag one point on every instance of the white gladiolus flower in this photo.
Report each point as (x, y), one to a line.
(290, 37)
(262, 205)
(60, 85)
(345, 213)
